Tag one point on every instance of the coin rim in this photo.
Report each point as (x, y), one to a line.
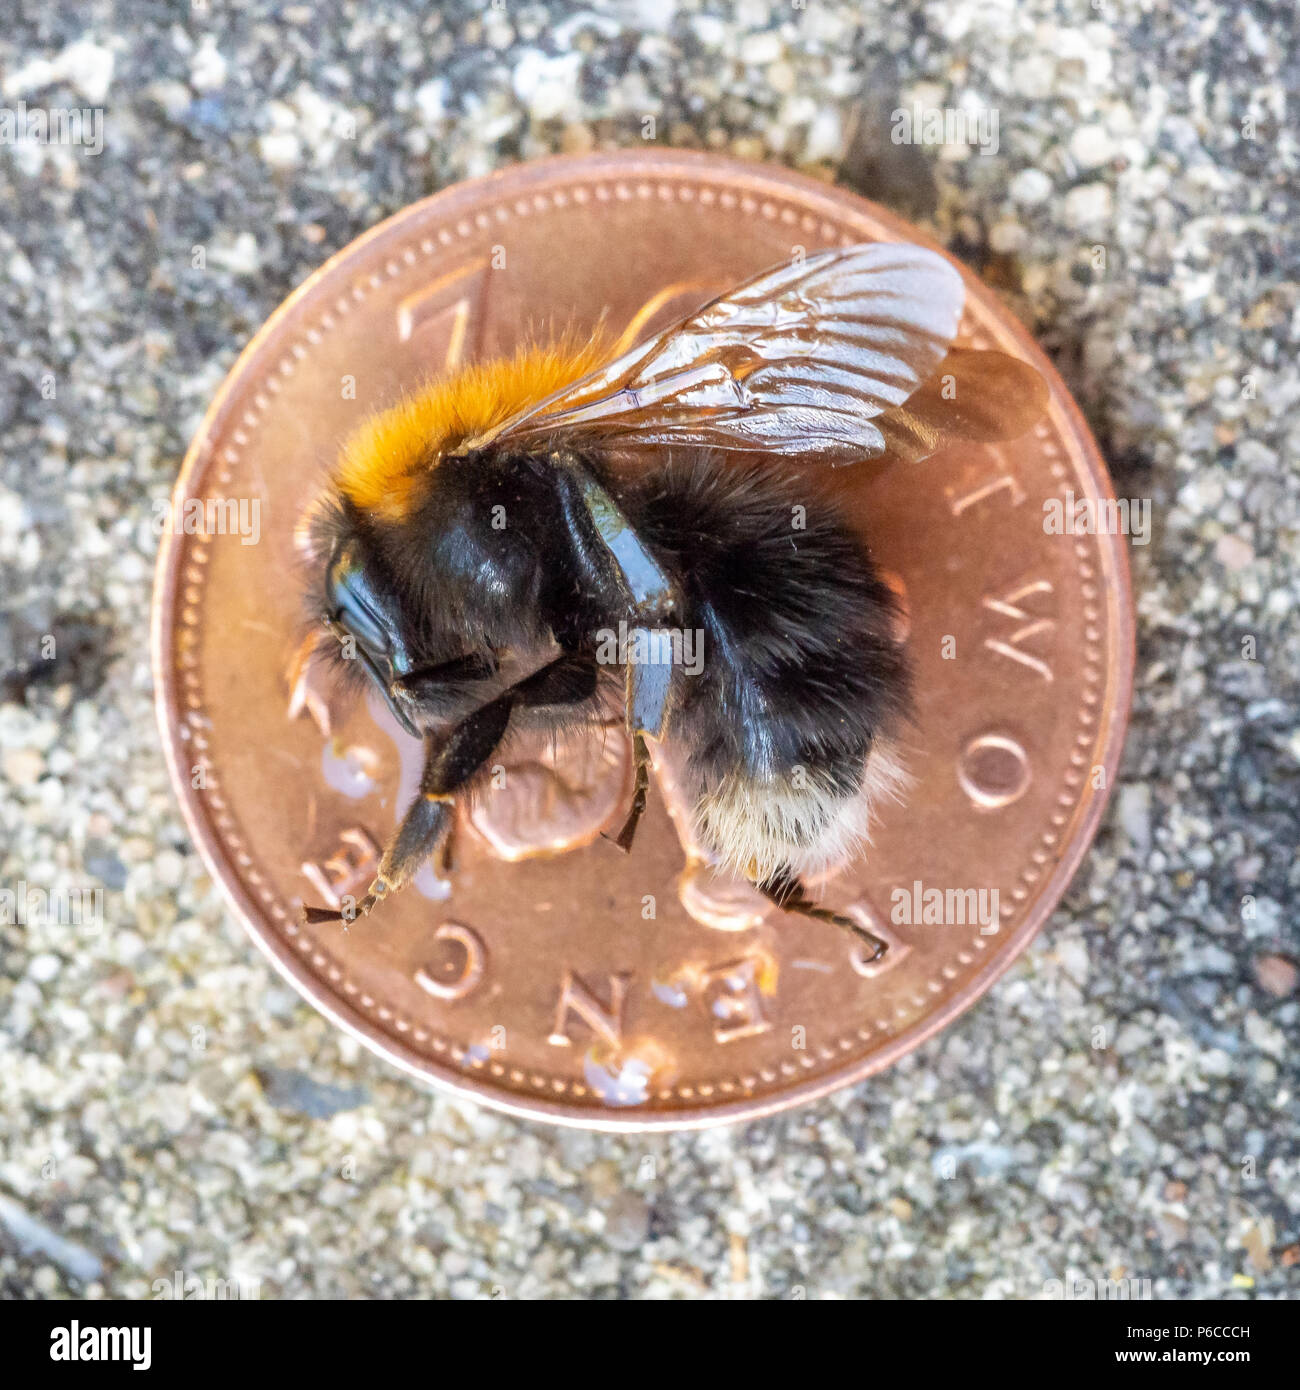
(1120, 645)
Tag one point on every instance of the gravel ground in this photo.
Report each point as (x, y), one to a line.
(166, 1104)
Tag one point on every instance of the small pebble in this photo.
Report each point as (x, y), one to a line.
(24, 767)
(1276, 975)
(1233, 553)
(627, 1221)
(1088, 206)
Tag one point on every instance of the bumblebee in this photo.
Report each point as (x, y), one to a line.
(481, 540)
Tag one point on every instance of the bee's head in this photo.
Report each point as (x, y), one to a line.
(358, 602)
(362, 611)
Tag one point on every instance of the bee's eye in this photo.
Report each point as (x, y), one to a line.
(354, 603)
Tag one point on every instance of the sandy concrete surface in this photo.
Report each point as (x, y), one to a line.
(167, 1104)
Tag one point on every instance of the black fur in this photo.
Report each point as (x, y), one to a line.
(800, 667)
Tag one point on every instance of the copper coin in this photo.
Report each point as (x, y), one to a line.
(549, 975)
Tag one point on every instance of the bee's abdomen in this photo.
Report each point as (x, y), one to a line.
(801, 677)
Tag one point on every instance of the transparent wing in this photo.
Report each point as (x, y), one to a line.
(805, 359)
(976, 396)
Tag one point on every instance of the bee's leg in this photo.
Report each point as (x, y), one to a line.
(439, 691)
(648, 685)
(618, 568)
(447, 855)
(568, 680)
(789, 895)
(450, 762)
(640, 786)
(614, 562)
(431, 818)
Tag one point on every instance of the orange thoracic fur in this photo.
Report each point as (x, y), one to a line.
(383, 460)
